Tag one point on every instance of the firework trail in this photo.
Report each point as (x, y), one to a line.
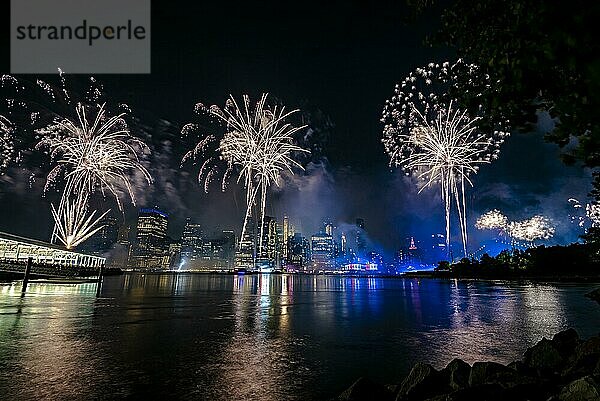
(73, 223)
(257, 145)
(429, 133)
(93, 153)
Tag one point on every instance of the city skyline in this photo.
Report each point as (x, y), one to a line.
(348, 174)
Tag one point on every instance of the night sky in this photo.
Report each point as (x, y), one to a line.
(341, 58)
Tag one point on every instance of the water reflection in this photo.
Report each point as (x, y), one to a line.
(46, 333)
(268, 337)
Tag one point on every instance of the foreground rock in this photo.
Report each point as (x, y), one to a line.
(565, 368)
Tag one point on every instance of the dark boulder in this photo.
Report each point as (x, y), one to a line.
(585, 359)
(422, 382)
(366, 390)
(584, 389)
(484, 392)
(544, 358)
(527, 392)
(521, 368)
(493, 373)
(457, 373)
(565, 342)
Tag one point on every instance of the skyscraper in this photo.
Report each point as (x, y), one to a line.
(245, 254)
(151, 248)
(286, 236)
(104, 239)
(268, 253)
(221, 253)
(191, 242)
(299, 253)
(361, 242)
(322, 251)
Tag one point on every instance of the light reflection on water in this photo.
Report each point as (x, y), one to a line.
(277, 337)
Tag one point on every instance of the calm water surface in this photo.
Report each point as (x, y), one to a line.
(278, 337)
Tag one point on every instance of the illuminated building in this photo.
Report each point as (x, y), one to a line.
(151, 248)
(222, 251)
(245, 254)
(174, 255)
(286, 237)
(121, 253)
(361, 242)
(376, 259)
(410, 255)
(299, 253)
(328, 227)
(191, 242)
(438, 249)
(322, 251)
(123, 235)
(270, 243)
(103, 240)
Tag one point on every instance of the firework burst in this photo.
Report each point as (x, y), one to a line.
(492, 220)
(89, 154)
(257, 145)
(430, 134)
(531, 230)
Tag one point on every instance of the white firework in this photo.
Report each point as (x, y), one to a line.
(492, 220)
(428, 133)
(592, 211)
(7, 146)
(258, 145)
(588, 215)
(95, 154)
(533, 229)
(74, 224)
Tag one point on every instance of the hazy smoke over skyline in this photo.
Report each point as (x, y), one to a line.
(528, 179)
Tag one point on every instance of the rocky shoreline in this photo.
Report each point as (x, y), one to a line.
(565, 368)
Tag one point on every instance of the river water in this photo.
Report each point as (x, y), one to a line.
(269, 337)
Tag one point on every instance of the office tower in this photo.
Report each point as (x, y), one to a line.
(361, 242)
(123, 235)
(299, 253)
(245, 253)
(285, 237)
(104, 239)
(222, 251)
(175, 255)
(268, 253)
(151, 248)
(192, 241)
(438, 248)
(328, 227)
(322, 251)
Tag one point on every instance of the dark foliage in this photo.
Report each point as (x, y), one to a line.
(542, 56)
(554, 261)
